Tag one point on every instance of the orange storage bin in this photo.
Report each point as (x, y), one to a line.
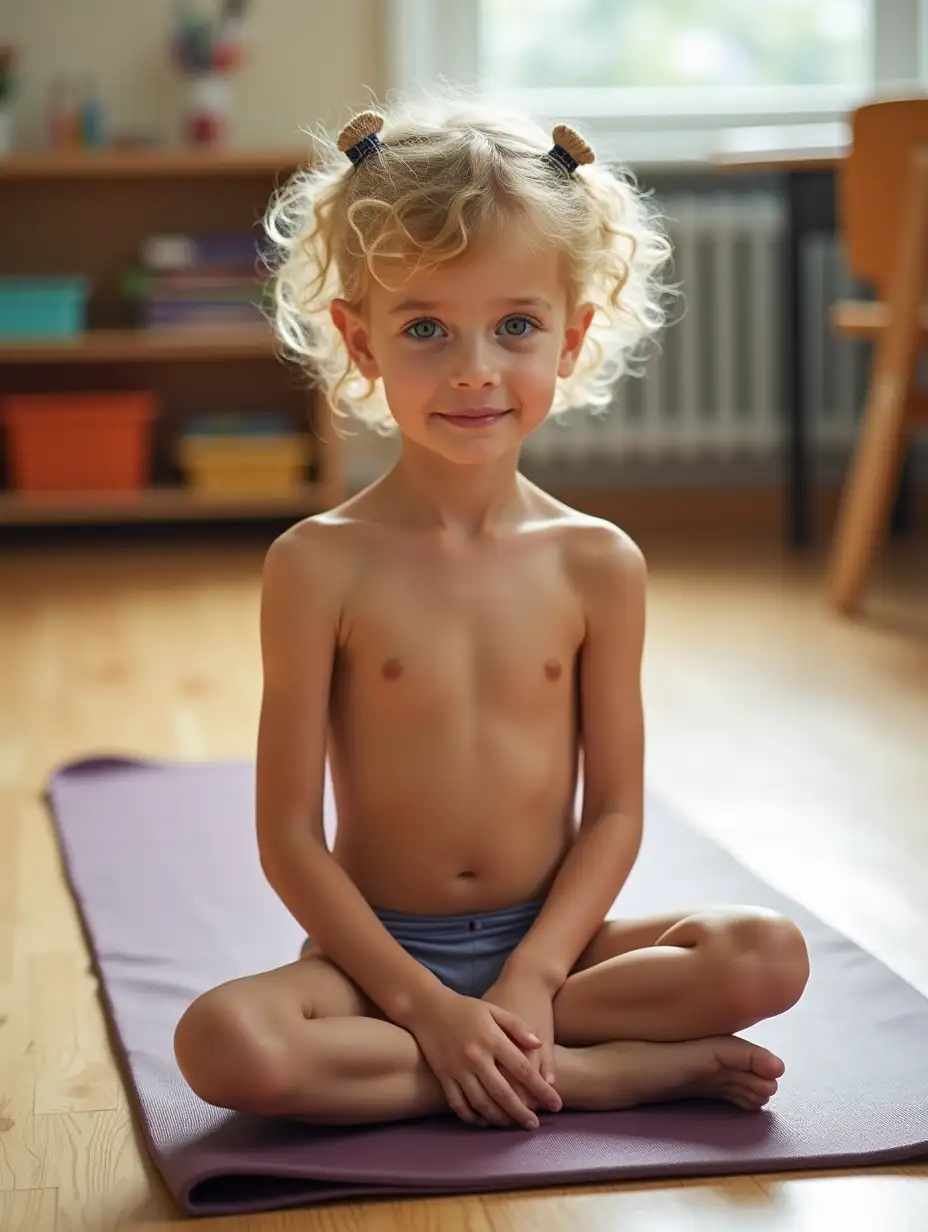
(79, 442)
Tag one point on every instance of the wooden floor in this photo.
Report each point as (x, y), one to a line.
(798, 740)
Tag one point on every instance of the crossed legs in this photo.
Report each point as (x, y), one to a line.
(648, 1013)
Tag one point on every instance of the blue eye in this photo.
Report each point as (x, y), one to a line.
(521, 322)
(425, 324)
(427, 329)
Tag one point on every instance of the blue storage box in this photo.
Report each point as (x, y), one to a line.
(43, 307)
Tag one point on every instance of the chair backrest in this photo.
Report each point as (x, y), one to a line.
(873, 183)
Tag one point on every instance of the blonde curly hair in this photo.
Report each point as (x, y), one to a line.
(447, 173)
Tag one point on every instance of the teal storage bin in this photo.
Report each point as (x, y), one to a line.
(43, 307)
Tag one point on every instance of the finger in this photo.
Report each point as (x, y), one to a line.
(539, 1065)
(529, 1100)
(548, 1072)
(544, 1091)
(506, 1098)
(535, 1062)
(524, 1070)
(515, 1027)
(458, 1103)
(481, 1103)
(542, 1098)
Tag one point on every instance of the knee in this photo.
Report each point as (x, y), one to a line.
(765, 962)
(231, 1056)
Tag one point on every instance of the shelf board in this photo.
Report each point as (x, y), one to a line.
(155, 504)
(167, 162)
(142, 345)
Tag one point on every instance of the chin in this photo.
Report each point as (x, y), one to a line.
(478, 448)
(475, 455)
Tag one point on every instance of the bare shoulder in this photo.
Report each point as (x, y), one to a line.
(321, 551)
(602, 560)
(308, 572)
(608, 571)
(604, 550)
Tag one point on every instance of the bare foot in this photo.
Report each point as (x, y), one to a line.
(626, 1073)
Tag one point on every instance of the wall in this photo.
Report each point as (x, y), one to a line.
(310, 61)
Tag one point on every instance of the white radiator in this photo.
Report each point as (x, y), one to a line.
(714, 389)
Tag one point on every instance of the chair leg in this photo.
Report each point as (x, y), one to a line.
(868, 492)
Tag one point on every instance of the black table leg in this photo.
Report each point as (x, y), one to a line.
(810, 209)
(797, 445)
(902, 519)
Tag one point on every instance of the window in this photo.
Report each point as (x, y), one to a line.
(672, 44)
(657, 80)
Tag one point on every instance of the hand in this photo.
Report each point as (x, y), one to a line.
(468, 1043)
(531, 1002)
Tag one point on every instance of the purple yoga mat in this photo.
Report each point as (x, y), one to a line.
(162, 860)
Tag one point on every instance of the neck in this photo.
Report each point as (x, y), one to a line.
(432, 491)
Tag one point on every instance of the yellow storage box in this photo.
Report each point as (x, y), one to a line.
(253, 465)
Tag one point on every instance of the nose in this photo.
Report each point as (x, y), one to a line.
(473, 366)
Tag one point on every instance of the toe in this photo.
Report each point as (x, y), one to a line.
(746, 1099)
(749, 1091)
(762, 1086)
(766, 1064)
(748, 1080)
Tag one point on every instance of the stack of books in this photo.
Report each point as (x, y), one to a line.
(199, 281)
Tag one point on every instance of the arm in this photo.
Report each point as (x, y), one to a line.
(303, 582)
(613, 577)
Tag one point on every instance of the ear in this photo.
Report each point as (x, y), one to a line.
(574, 334)
(353, 329)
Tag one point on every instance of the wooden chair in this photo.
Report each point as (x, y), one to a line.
(883, 206)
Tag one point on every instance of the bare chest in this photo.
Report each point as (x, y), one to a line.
(505, 638)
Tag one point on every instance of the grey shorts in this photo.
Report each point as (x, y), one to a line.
(466, 952)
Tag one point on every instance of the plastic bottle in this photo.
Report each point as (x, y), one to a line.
(91, 119)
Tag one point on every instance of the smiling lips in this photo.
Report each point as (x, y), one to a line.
(475, 417)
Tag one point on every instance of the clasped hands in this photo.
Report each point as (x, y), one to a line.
(494, 1057)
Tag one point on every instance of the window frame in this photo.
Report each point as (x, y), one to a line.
(438, 40)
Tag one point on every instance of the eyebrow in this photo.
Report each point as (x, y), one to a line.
(425, 305)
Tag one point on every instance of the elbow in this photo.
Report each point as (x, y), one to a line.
(626, 824)
(635, 826)
(269, 843)
(270, 861)
(636, 835)
(626, 833)
(283, 848)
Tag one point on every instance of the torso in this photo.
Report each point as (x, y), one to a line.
(454, 714)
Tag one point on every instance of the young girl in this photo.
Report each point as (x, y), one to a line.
(452, 641)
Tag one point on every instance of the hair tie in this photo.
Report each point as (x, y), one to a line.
(569, 150)
(359, 138)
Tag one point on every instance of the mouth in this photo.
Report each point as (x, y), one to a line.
(475, 417)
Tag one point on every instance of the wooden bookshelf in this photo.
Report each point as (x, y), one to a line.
(87, 213)
(148, 164)
(143, 346)
(167, 502)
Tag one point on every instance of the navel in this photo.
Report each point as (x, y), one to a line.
(553, 669)
(392, 669)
